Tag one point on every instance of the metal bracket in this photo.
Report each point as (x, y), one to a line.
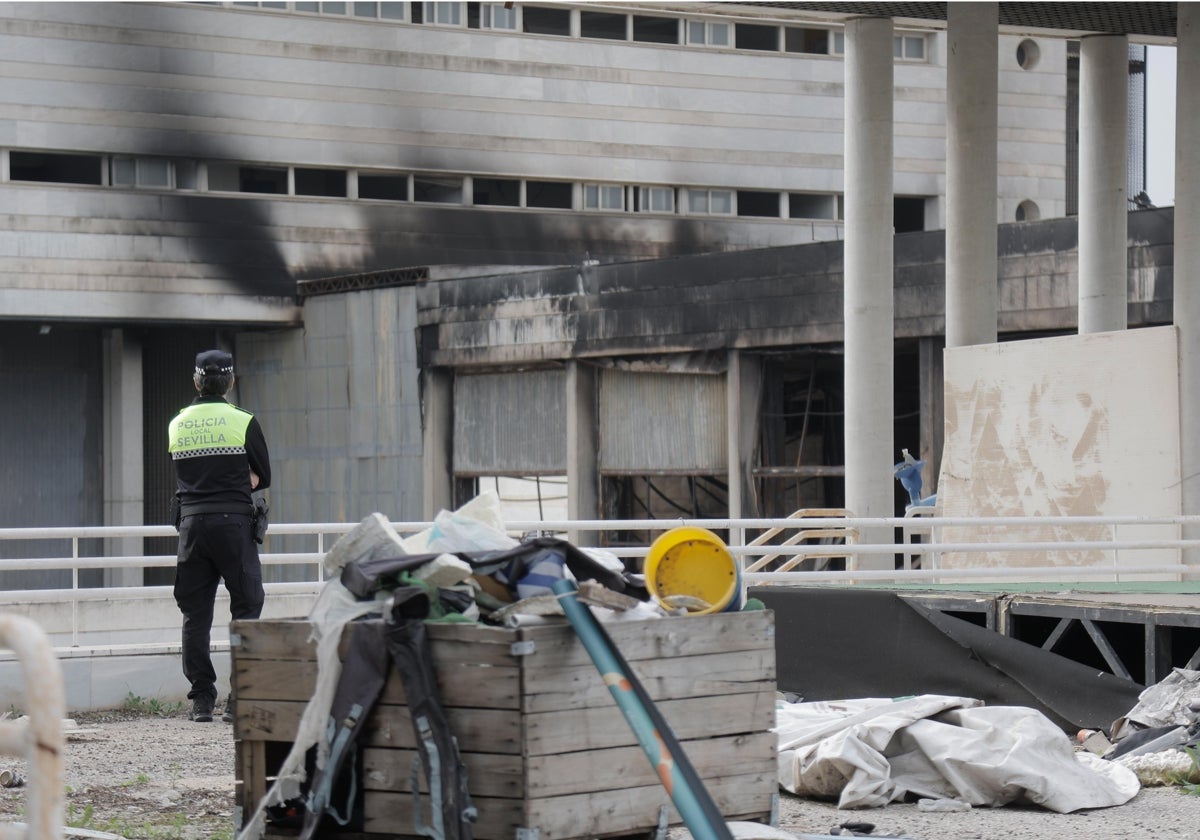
(235, 640)
(527, 833)
(523, 649)
(774, 819)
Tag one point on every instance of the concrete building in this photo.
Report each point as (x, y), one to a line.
(638, 246)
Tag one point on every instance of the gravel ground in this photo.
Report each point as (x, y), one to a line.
(161, 777)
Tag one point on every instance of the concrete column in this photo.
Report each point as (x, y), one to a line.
(437, 417)
(124, 486)
(971, 131)
(1103, 180)
(583, 433)
(868, 306)
(931, 357)
(1187, 259)
(743, 393)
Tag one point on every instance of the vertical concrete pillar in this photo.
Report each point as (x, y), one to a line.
(931, 359)
(743, 393)
(971, 132)
(1103, 180)
(124, 485)
(868, 306)
(1187, 259)
(583, 434)
(437, 417)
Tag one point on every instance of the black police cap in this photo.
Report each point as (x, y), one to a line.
(214, 363)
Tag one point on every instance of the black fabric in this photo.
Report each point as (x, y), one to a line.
(364, 673)
(401, 641)
(212, 547)
(448, 815)
(364, 577)
(836, 644)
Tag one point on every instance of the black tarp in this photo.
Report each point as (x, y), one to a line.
(840, 644)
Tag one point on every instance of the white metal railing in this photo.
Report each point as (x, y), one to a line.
(771, 551)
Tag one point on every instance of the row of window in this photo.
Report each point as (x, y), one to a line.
(485, 191)
(600, 25)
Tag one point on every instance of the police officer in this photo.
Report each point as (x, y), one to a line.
(220, 458)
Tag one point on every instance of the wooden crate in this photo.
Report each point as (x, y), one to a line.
(545, 746)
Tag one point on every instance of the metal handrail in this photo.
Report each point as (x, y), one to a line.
(864, 562)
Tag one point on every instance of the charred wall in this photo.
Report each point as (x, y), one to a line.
(765, 299)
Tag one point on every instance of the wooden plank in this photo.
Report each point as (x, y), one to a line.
(601, 727)
(480, 730)
(466, 685)
(274, 679)
(268, 720)
(288, 639)
(272, 639)
(391, 814)
(667, 638)
(630, 810)
(250, 771)
(477, 730)
(628, 767)
(458, 685)
(664, 679)
(487, 774)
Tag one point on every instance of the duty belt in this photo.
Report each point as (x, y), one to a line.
(194, 508)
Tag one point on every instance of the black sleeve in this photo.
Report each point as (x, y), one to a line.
(256, 452)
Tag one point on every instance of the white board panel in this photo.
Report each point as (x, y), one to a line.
(1067, 426)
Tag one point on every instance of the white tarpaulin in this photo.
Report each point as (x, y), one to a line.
(869, 752)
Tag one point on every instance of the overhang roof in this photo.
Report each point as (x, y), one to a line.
(1142, 22)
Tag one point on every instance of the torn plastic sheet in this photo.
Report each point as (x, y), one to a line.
(1163, 704)
(866, 753)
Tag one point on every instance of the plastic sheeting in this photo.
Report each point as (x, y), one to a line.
(838, 643)
(866, 753)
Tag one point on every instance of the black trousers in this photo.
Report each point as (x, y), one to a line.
(213, 546)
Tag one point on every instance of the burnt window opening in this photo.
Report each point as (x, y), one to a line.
(436, 190)
(229, 177)
(801, 436)
(383, 187)
(809, 41)
(655, 30)
(811, 206)
(908, 214)
(552, 195)
(265, 179)
(752, 36)
(758, 203)
(321, 182)
(52, 168)
(497, 192)
(539, 20)
(604, 25)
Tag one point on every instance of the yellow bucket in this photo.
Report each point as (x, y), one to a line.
(691, 567)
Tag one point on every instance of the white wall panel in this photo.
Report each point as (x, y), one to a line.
(1081, 425)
